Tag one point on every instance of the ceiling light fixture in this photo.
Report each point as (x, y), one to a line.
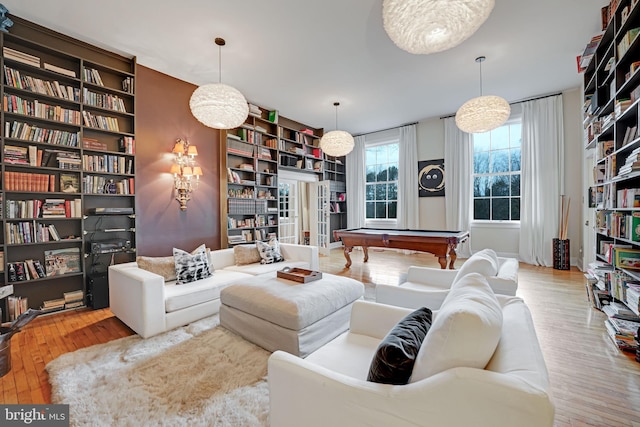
(430, 26)
(217, 105)
(483, 113)
(337, 142)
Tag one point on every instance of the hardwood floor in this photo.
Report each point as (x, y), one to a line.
(593, 383)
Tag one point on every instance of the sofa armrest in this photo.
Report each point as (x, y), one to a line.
(374, 320)
(306, 253)
(410, 297)
(304, 393)
(136, 297)
(435, 277)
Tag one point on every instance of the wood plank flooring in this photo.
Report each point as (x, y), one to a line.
(593, 383)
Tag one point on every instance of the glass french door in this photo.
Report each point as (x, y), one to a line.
(319, 193)
(288, 207)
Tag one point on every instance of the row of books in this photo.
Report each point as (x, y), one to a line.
(242, 206)
(47, 208)
(45, 87)
(628, 198)
(16, 306)
(127, 84)
(240, 223)
(103, 100)
(92, 184)
(626, 41)
(621, 225)
(28, 132)
(100, 122)
(18, 233)
(107, 163)
(127, 145)
(29, 269)
(26, 181)
(92, 75)
(34, 156)
(35, 108)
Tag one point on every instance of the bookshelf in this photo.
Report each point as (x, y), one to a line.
(611, 95)
(68, 146)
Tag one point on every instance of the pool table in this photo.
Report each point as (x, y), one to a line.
(439, 243)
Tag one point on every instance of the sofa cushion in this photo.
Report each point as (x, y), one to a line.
(178, 297)
(246, 254)
(484, 262)
(163, 266)
(191, 266)
(396, 354)
(465, 331)
(269, 252)
(257, 269)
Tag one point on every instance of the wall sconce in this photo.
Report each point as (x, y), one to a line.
(186, 173)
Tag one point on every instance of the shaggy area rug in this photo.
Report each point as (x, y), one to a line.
(197, 375)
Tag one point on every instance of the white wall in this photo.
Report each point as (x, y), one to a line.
(505, 238)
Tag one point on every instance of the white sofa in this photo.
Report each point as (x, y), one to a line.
(432, 284)
(329, 386)
(149, 306)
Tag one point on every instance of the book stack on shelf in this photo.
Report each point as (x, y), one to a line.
(52, 305)
(73, 299)
(622, 325)
(631, 164)
(19, 56)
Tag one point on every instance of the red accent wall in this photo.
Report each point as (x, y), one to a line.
(162, 116)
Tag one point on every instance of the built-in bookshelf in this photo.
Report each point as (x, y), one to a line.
(611, 97)
(68, 147)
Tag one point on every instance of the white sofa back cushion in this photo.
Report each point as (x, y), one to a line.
(484, 262)
(465, 331)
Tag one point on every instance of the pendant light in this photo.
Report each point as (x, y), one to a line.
(483, 113)
(217, 105)
(337, 142)
(429, 26)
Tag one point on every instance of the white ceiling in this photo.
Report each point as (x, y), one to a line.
(300, 56)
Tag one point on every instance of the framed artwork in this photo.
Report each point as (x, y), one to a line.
(431, 178)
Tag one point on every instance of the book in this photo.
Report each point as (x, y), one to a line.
(62, 261)
(60, 70)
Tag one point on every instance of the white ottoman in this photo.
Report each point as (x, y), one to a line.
(280, 314)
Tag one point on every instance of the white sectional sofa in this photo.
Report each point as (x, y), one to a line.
(149, 305)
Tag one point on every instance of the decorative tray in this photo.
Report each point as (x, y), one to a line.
(299, 275)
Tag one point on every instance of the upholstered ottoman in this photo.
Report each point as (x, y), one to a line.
(280, 314)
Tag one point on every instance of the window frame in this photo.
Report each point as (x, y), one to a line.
(380, 222)
(510, 223)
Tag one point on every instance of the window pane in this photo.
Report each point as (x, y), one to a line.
(382, 173)
(500, 138)
(393, 191)
(371, 192)
(481, 208)
(481, 186)
(371, 210)
(393, 208)
(381, 154)
(515, 135)
(394, 155)
(515, 184)
(515, 159)
(500, 209)
(515, 209)
(481, 142)
(381, 210)
(393, 172)
(499, 161)
(381, 191)
(370, 156)
(371, 174)
(481, 162)
(500, 186)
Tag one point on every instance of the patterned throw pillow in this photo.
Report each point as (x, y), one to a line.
(191, 266)
(269, 252)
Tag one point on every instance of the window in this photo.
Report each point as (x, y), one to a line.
(496, 173)
(381, 162)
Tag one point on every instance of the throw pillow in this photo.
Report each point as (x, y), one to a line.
(484, 262)
(396, 354)
(246, 254)
(465, 332)
(163, 266)
(191, 266)
(269, 252)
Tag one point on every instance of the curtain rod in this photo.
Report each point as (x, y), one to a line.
(517, 102)
(382, 130)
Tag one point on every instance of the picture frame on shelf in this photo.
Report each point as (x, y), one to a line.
(69, 183)
(62, 261)
(627, 258)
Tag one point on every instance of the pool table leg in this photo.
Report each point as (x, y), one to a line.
(365, 249)
(452, 257)
(346, 251)
(443, 262)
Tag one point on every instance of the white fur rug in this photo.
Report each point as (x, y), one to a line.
(197, 375)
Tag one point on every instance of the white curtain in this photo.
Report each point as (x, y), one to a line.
(458, 171)
(542, 178)
(355, 184)
(408, 209)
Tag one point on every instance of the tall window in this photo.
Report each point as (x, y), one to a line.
(496, 173)
(382, 181)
